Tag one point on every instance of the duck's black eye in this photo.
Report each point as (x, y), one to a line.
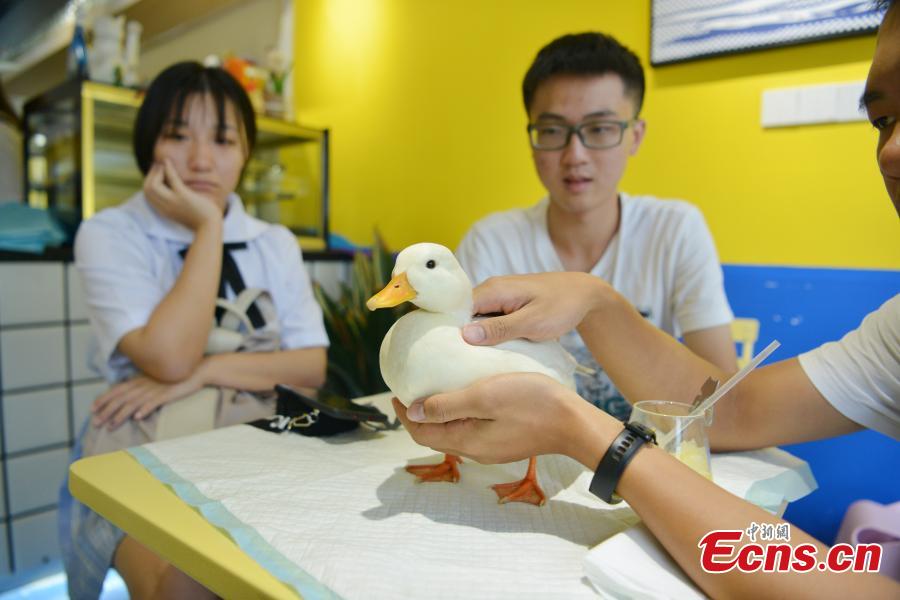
(431, 264)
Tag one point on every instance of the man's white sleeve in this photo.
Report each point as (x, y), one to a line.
(860, 374)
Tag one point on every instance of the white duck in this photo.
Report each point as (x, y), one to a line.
(424, 352)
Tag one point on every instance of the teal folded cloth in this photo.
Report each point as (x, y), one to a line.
(27, 229)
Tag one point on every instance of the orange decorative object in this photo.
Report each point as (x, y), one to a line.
(235, 66)
(251, 77)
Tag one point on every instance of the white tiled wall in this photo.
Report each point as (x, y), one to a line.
(33, 357)
(35, 540)
(30, 293)
(77, 307)
(4, 552)
(80, 340)
(40, 304)
(35, 419)
(34, 479)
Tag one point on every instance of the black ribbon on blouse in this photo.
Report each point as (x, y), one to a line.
(231, 276)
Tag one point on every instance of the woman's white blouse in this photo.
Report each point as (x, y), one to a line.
(128, 259)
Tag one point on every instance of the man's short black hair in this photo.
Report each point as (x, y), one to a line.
(166, 97)
(588, 53)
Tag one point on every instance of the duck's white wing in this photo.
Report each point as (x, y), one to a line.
(550, 354)
(424, 354)
(441, 361)
(388, 371)
(414, 357)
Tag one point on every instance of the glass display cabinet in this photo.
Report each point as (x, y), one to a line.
(79, 160)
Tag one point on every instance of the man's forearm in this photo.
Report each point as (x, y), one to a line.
(680, 507)
(776, 404)
(643, 362)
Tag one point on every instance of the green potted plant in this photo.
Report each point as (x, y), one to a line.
(356, 332)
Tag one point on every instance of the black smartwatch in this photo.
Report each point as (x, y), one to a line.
(619, 454)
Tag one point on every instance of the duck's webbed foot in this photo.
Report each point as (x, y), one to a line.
(442, 471)
(526, 490)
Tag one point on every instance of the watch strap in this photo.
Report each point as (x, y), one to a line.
(617, 457)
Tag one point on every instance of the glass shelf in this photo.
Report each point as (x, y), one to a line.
(80, 160)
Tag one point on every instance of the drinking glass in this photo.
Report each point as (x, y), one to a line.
(691, 444)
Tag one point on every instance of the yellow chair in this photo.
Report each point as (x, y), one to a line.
(745, 332)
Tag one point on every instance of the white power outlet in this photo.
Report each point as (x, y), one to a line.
(812, 104)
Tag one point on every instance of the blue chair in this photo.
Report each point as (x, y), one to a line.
(803, 308)
(744, 332)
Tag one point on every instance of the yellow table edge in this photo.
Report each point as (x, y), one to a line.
(120, 489)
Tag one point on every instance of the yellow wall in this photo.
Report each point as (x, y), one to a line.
(423, 101)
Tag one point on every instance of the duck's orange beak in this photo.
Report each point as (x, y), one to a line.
(397, 291)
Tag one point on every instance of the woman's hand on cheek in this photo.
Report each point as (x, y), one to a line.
(169, 195)
(157, 192)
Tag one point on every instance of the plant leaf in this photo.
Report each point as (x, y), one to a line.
(354, 331)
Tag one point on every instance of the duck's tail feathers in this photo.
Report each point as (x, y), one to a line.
(583, 371)
(579, 369)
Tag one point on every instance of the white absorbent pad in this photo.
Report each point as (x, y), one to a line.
(340, 517)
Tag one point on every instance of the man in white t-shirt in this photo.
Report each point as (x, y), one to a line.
(838, 388)
(583, 95)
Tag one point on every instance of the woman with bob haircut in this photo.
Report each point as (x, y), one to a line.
(157, 272)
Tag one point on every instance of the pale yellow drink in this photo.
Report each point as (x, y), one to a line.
(691, 444)
(694, 456)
